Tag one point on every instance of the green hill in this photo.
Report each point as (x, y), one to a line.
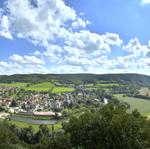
(78, 78)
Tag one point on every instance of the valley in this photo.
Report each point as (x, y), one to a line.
(51, 100)
(60, 96)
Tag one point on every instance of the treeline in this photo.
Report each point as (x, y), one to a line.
(129, 90)
(108, 127)
(79, 78)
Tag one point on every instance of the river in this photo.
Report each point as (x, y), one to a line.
(32, 121)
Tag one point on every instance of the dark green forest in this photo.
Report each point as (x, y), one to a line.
(79, 78)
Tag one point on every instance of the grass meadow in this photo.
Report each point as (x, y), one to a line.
(142, 105)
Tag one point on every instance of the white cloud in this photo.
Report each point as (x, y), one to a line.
(145, 2)
(136, 48)
(69, 46)
(3, 64)
(13, 68)
(40, 24)
(77, 61)
(9, 68)
(49, 22)
(82, 48)
(145, 61)
(80, 23)
(26, 59)
(37, 53)
(90, 42)
(4, 27)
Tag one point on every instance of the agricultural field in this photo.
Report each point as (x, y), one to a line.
(15, 84)
(103, 85)
(106, 86)
(142, 105)
(39, 87)
(45, 86)
(62, 89)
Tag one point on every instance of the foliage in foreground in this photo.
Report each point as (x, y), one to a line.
(109, 127)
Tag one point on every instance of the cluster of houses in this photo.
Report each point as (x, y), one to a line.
(7, 91)
(46, 104)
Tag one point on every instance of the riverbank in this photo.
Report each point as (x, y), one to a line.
(34, 117)
(24, 123)
(32, 121)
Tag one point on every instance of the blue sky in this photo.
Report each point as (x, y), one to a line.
(128, 18)
(74, 36)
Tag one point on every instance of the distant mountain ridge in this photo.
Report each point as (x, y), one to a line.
(126, 78)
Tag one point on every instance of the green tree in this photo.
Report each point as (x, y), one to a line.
(43, 132)
(60, 141)
(26, 135)
(109, 128)
(7, 137)
(14, 103)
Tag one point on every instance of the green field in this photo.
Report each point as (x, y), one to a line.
(62, 89)
(35, 127)
(39, 87)
(142, 105)
(92, 86)
(15, 84)
(45, 86)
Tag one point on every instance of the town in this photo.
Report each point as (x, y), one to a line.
(47, 103)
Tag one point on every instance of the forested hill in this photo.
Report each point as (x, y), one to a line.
(79, 78)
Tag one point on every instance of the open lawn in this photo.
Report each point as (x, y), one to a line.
(15, 84)
(142, 105)
(35, 127)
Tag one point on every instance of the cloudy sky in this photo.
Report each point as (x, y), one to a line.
(74, 36)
